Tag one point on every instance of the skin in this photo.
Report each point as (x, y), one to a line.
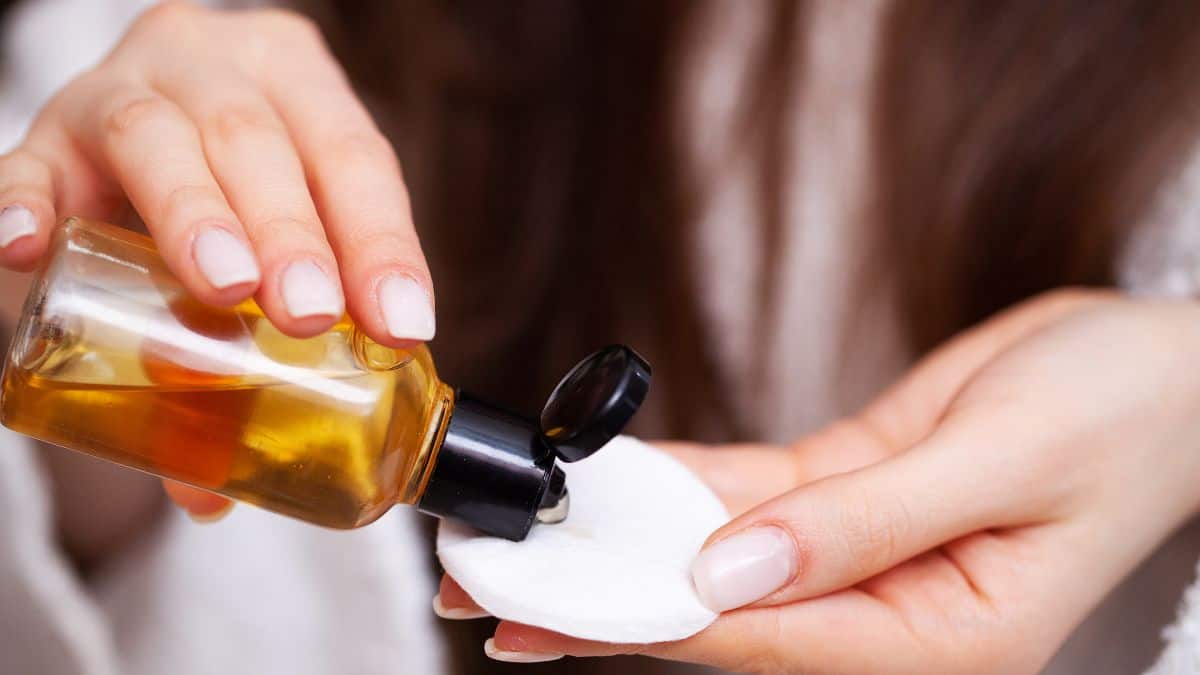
(236, 120)
(964, 522)
(969, 518)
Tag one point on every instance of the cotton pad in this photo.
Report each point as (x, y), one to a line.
(617, 570)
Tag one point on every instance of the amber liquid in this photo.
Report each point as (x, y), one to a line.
(332, 430)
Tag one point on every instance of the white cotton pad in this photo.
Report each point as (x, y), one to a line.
(618, 568)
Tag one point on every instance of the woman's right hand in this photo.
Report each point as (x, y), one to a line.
(238, 140)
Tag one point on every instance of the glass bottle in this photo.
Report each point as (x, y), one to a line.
(114, 359)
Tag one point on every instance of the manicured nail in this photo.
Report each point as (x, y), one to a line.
(456, 613)
(223, 259)
(211, 516)
(497, 654)
(308, 291)
(407, 311)
(743, 568)
(16, 222)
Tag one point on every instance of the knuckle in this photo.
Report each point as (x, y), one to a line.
(1067, 298)
(21, 160)
(136, 112)
(51, 113)
(165, 15)
(764, 645)
(268, 33)
(233, 125)
(873, 531)
(183, 199)
(383, 245)
(287, 232)
(769, 657)
(21, 166)
(33, 198)
(288, 25)
(366, 149)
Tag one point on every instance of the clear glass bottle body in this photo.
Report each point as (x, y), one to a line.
(113, 358)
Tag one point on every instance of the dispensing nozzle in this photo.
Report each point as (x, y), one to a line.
(499, 472)
(556, 503)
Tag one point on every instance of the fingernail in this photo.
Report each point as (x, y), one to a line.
(406, 308)
(743, 568)
(497, 654)
(223, 259)
(16, 222)
(308, 291)
(456, 613)
(211, 516)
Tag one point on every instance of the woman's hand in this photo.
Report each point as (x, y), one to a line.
(238, 140)
(964, 522)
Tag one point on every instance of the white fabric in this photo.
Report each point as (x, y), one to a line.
(48, 42)
(48, 622)
(1182, 655)
(261, 593)
(617, 570)
(254, 593)
(1163, 257)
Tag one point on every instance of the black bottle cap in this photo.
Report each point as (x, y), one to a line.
(496, 471)
(595, 401)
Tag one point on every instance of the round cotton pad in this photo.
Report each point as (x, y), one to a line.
(617, 570)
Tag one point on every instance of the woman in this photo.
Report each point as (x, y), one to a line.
(708, 182)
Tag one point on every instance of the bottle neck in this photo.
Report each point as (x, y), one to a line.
(492, 471)
(436, 422)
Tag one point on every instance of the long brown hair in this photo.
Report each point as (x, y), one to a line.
(1019, 142)
(1016, 143)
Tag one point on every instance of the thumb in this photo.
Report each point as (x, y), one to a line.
(838, 531)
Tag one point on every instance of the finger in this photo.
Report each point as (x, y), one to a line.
(26, 208)
(452, 602)
(908, 411)
(252, 157)
(850, 522)
(840, 530)
(45, 178)
(519, 643)
(201, 505)
(154, 152)
(360, 194)
(742, 476)
(745, 475)
(823, 635)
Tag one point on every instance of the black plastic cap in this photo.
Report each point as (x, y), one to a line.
(594, 402)
(493, 471)
(496, 471)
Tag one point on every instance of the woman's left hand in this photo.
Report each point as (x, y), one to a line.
(967, 520)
